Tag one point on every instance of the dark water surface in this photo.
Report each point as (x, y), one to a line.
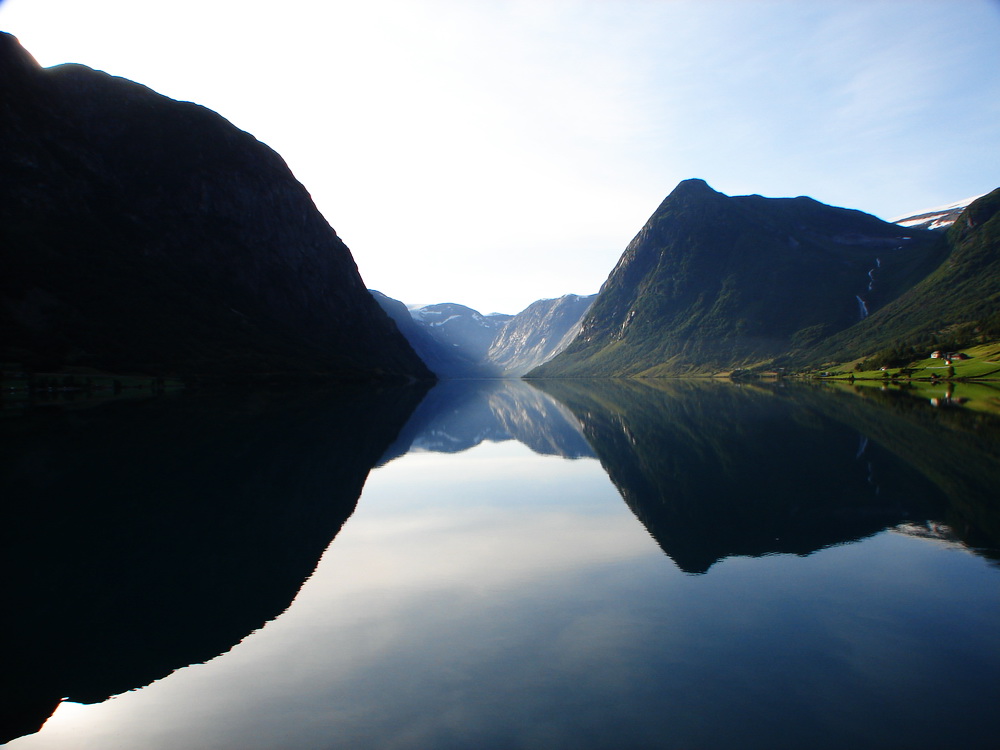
(577, 565)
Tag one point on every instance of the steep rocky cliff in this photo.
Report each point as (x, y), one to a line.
(538, 333)
(141, 234)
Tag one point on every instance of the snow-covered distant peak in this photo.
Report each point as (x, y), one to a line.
(940, 217)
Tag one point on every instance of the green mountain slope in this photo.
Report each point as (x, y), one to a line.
(713, 282)
(962, 292)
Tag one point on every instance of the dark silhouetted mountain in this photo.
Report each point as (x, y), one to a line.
(141, 537)
(712, 283)
(460, 414)
(141, 234)
(715, 470)
(538, 333)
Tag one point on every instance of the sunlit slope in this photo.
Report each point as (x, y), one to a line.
(713, 283)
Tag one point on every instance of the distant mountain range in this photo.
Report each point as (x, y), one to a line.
(441, 346)
(144, 235)
(458, 342)
(460, 326)
(538, 333)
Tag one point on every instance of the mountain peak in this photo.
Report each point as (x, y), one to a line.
(713, 282)
(693, 186)
(690, 192)
(14, 59)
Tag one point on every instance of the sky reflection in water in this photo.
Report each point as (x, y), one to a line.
(497, 598)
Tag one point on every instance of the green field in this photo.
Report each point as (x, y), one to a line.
(983, 363)
(973, 383)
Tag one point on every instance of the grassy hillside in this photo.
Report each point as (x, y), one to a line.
(956, 305)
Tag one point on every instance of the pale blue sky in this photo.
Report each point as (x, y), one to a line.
(494, 153)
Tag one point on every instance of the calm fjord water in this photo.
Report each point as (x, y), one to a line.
(579, 565)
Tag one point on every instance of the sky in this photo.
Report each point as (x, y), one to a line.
(497, 152)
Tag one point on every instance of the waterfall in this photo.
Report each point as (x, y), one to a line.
(862, 306)
(871, 273)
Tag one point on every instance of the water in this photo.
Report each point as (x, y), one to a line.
(862, 308)
(583, 566)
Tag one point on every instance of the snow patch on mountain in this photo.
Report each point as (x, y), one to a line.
(940, 217)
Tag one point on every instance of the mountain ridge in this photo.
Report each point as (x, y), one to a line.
(712, 283)
(141, 234)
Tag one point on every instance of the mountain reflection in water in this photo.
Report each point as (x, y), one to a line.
(714, 470)
(488, 596)
(142, 537)
(460, 414)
